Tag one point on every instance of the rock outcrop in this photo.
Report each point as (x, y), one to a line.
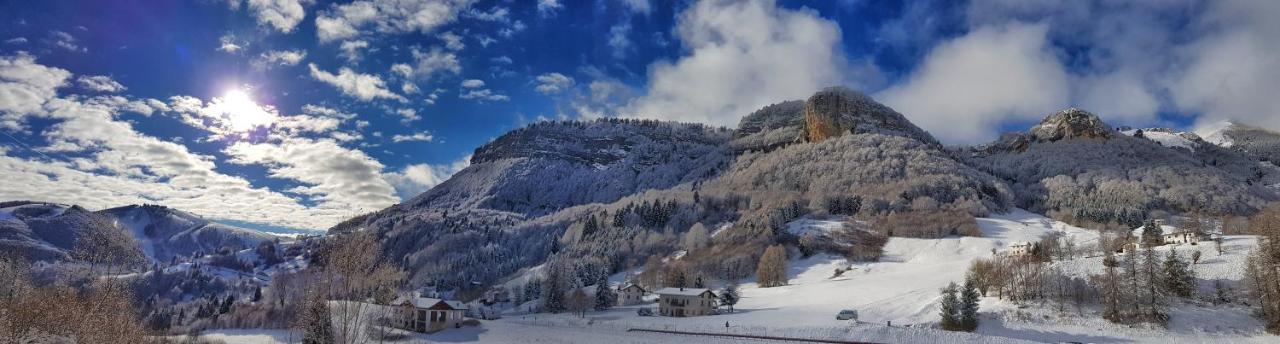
(836, 111)
(1071, 123)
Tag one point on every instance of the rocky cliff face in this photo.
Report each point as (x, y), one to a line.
(836, 111)
(1071, 124)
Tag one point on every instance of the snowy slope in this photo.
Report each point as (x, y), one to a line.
(1216, 133)
(1167, 138)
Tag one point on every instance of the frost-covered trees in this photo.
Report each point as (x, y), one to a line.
(968, 312)
(606, 298)
(1180, 280)
(1263, 267)
(729, 296)
(697, 237)
(1152, 234)
(772, 270)
(950, 308)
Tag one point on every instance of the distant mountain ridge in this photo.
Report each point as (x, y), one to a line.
(51, 231)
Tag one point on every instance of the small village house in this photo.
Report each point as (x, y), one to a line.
(1020, 249)
(685, 302)
(630, 294)
(1177, 236)
(428, 315)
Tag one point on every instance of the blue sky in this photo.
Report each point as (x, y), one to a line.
(298, 114)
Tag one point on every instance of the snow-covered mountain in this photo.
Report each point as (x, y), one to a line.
(164, 233)
(1261, 143)
(50, 231)
(1073, 166)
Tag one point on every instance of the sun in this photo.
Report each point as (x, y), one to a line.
(240, 113)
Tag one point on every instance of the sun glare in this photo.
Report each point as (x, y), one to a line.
(241, 113)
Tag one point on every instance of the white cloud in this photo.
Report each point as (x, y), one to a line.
(365, 87)
(283, 15)
(16, 40)
(482, 94)
(551, 83)
(452, 40)
(418, 178)
(473, 83)
(386, 16)
(547, 8)
(966, 86)
(418, 137)
(66, 41)
(430, 63)
(351, 50)
(735, 62)
(1233, 72)
(99, 83)
(279, 58)
(639, 6)
(25, 86)
(485, 40)
(318, 110)
(403, 70)
(228, 44)
(618, 39)
(334, 175)
(409, 88)
(495, 14)
(408, 115)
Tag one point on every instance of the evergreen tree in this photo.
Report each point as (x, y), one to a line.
(969, 306)
(1154, 293)
(605, 296)
(257, 294)
(729, 296)
(316, 326)
(950, 306)
(226, 305)
(1179, 279)
(1152, 234)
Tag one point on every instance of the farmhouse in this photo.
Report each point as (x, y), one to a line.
(630, 294)
(1181, 237)
(685, 302)
(1020, 249)
(421, 314)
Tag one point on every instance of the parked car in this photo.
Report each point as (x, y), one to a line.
(847, 314)
(644, 312)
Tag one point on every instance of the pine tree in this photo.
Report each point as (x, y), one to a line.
(950, 306)
(605, 296)
(1154, 292)
(969, 306)
(1179, 279)
(1152, 234)
(729, 296)
(257, 294)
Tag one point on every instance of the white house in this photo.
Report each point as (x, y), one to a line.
(685, 302)
(630, 294)
(428, 315)
(1181, 237)
(1019, 249)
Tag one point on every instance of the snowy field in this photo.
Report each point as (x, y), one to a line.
(902, 289)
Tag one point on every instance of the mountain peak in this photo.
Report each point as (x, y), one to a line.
(1071, 123)
(837, 110)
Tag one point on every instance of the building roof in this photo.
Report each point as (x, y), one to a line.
(683, 291)
(630, 285)
(426, 302)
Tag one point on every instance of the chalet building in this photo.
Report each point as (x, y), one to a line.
(1020, 249)
(685, 302)
(630, 294)
(428, 315)
(1181, 237)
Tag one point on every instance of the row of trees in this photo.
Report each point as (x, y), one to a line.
(960, 313)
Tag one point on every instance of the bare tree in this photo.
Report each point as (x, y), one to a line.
(772, 270)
